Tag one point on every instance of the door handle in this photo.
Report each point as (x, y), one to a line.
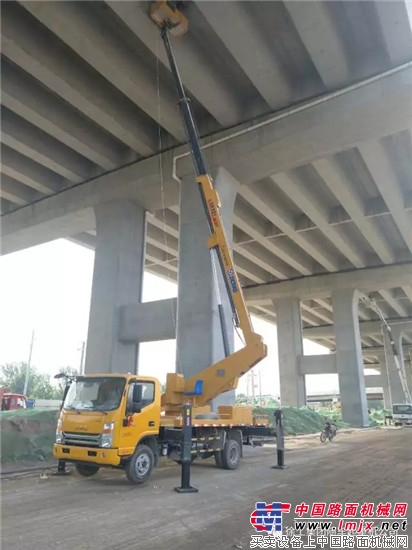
(151, 422)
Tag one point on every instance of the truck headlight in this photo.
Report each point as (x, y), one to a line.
(59, 432)
(107, 435)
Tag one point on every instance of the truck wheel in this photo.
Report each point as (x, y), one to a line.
(140, 466)
(231, 455)
(87, 470)
(218, 459)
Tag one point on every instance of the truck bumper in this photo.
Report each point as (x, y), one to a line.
(104, 457)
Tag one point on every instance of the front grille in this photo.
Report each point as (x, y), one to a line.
(81, 439)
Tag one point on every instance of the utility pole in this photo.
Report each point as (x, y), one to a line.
(252, 375)
(260, 388)
(26, 380)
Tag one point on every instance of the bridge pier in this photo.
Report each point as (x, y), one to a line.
(349, 360)
(117, 281)
(290, 350)
(199, 341)
(387, 400)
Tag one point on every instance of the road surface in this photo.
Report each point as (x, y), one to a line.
(105, 512)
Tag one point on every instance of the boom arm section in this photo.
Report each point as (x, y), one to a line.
(224, 375)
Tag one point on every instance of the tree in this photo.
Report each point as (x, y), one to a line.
(12, 375)
(61, 382)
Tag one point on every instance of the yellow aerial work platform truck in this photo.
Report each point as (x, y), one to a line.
(124, 421)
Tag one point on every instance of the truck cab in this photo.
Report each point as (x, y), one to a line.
(402, 414)
(13, 402)
(104, 417)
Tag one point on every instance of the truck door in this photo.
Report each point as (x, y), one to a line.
(143, 423)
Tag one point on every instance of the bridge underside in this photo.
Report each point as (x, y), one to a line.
(307, 105)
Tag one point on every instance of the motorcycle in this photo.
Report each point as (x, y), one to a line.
(329, 432)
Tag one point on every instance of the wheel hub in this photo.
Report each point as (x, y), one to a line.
(142, 464)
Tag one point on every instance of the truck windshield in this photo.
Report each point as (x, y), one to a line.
(402, 409)
(95, 394)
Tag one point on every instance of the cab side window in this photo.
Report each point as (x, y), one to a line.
(148, 393)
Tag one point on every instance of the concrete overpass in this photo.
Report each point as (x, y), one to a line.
(306, 114)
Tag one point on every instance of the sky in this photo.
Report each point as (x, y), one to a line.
(47, 289)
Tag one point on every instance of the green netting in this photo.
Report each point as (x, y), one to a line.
(302, 420)
(29, 435)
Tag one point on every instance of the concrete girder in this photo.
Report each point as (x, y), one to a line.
(265, 204)
(248, 268)
(113, 59)
(243, 220)
(141, 185)
(324, 303)
(306, 316)
(156, 237)
(378, 164)
(343, 189)
(321, 39)
(40, 147)
(314, 130)
(396, 29)
(248, 264)
(317, 313)
(57, 69)
(258, 259)
(282, 252)
(84, 239)
(195, 66)
(230, 20)
(291, 185)
(376, 108)
(5, 205)
(32, 174)
(408, 291)
(394, 304)
(379, 351)
(367, 328)
(17, 192)
(24, 96)
(364, 280)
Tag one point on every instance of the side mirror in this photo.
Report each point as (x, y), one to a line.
(137, 393)
(59, 375)
(136, 407)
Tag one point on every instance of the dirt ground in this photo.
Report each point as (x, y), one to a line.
(105, 512)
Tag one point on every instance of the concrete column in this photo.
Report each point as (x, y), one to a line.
(199, 340)
(117, 281)
(387, 401)
(349, 358)
(290, 350)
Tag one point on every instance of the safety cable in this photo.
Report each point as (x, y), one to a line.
(178, 363)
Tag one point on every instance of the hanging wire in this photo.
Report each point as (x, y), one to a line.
(178, 364)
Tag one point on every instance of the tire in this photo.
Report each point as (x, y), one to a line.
(140, 466)
(87, 470)
(231, 455)
(323, 437)
(332, 436)
(218, 459)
